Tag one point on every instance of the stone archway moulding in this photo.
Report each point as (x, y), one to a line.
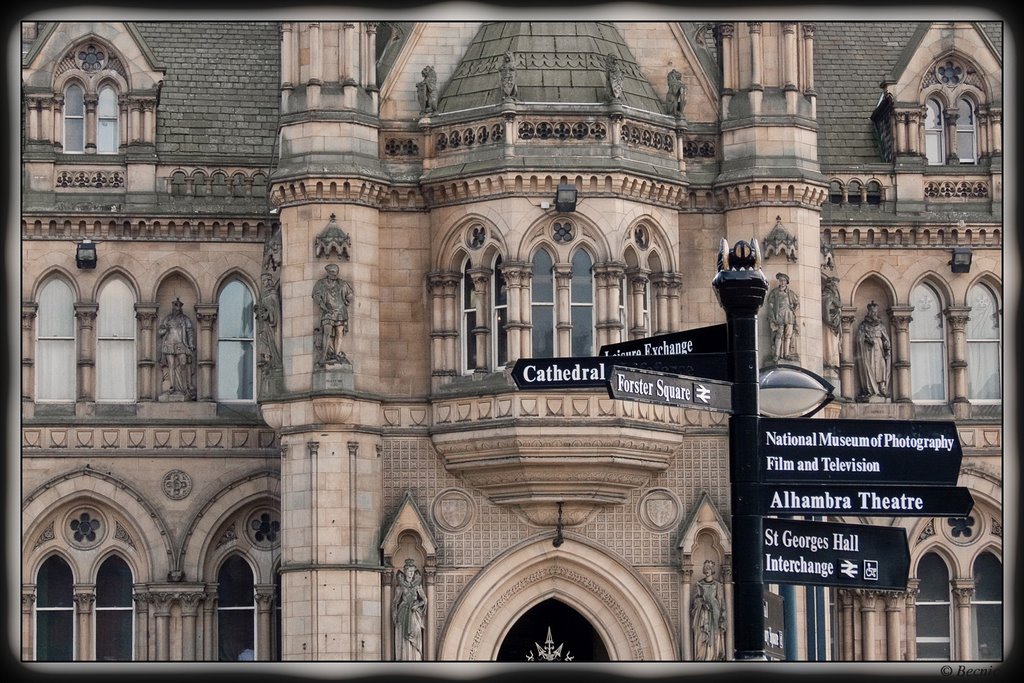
(616, 600)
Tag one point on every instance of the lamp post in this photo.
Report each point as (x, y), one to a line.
(741, 288)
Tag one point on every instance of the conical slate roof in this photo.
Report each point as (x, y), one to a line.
(555, 61)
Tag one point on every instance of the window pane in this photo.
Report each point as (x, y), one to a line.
(113, 635)
(54, 636)
(234, 370)
(582, 331)
(55, 370)
(938, 651)
(582, 278)
(116, 314)
(988, 579)
(114, 584)
(984, 316)
(235, 586)
(234, 311)
(106, 136)
(115, 370)
(927, 372)
(932, 621)
(965, 146)
(56, 312)
(988, 632)
(541, 288)
(74, 101)
(500, 288)
(469, 339)
(934, 578)
(926, 322)
(54, 584)
(983, 376)
(543, 331)
(235, 632)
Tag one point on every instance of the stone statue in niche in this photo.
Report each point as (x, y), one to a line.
(177, 353)
(615, 76)
(268, 318)
(831, 315)
(874, 356)
(708, 617)
(675, 100)
(333, 296)
(426, 91)
(407, 610)
(272, 252)
(781, 305)
(508, 77)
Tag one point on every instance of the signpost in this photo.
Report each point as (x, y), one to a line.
(592, 372)
(827, 554)
(865, 500)
(670, 389)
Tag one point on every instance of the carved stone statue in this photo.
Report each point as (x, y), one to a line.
(781, 305)
(333, 296)
(177, 351)
(407, 608)
(508, 77)
(272, 252)
(874, 356)
(615, 77)
(708, 616)
(675, 100)
(426, 91)
(268, 317)
(831, 315)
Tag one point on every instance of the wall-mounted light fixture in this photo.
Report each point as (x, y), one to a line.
(565, 198)
(961, 261)
(85, 254)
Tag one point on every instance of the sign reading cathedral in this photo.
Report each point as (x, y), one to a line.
(592, 372)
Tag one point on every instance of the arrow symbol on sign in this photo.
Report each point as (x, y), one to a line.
(849, 568)
(703, 393)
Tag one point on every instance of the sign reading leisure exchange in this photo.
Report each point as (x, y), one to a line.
(710, 339)
(828, 554)
(592, 372)
(675, 390)
(859, 451)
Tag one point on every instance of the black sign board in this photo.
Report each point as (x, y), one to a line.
(592, 372)
(711, 339)
(827, 554)
(675, 390)
(868, 500)
(859, 451)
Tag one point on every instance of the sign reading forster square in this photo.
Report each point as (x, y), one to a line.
(859, 451)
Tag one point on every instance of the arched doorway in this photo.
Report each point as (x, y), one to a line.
(552, 631)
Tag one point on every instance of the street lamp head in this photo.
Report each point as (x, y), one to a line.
(791, 391)
(739, 283)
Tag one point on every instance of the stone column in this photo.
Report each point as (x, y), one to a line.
(868, 616)
(675, 285)
(28, 349)
(142, 600)
(85, 598)
(950, 118)
(86, 316)
(288, 62)
(517, 280)
(789, 66)
(608, 278)
(915, 132)
(957, 316)
(848, 388)
(899, 387)
(685, 627)
(444, 332)
(756, 88)
(148, 367)
(162, 603)
(58, 122)
(189, 607)
(209, 628)
(661, 287)
(910, 610)
(726, 32)
(639, 281)
(430, 623)
(846, 618)
(901, 132)
(206, 315)
(28, 635)
(808, 34)
(315, 79)
(369, 57)
(984, 130)
(91, 100)
(481, 334)
(963, 591)
(265, 594)
(892, 625)
(563, 309)
(386, 627)
(996, 117)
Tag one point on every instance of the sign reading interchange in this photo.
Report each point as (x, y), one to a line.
(859, 451)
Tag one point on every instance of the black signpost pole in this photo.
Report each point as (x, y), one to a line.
(741, 288)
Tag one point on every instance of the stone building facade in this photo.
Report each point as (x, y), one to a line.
(358, 222)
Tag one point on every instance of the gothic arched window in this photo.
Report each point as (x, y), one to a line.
(966, 140)
(236, 611)
(55, 612)
(74, 119)
(499, 315)
(55, 367)
(933, 609)
(106, 121)
(116, 361)
(927, 346)
(114, 626)
(987, 609)
(235, 357)
(934, 136)
(581, 304)
(542, 299)
(984, 375)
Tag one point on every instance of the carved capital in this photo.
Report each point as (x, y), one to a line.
(958, 317)
(754, 26)
(86, 315)
(808, 30)
(84, 600)
(444, 283)
(726, 30)
(963, 591)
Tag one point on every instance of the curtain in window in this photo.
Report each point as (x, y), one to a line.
(106, 122)
(116, 361)
(983, 347)
(114, 611)
(927, 346)
(933, 609)
(74, 119)
(236, 611)
(55, 343)
(987, 609)
(468, 319)
(235, 359)
(934, 140)
(542, 312)
(55, 612)
(581, 294)
(499, 313)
